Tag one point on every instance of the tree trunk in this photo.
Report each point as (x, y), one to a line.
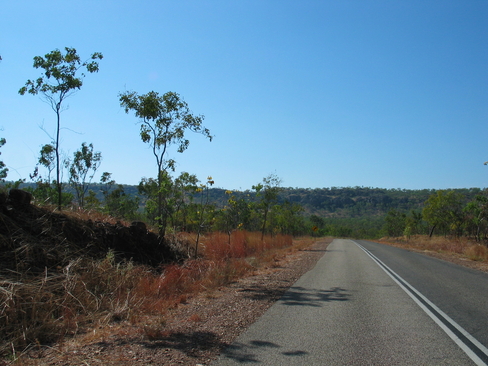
(58, 167)
(432, 231)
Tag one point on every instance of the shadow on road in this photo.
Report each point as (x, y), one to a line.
(299, 296)
(315, 250)
(246, 353)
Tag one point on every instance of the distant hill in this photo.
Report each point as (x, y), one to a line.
(337, 211)
(334, 202)
(349, 201)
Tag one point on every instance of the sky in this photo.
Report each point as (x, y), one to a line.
(321, 93)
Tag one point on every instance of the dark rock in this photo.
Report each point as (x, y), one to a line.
(138, 227)
(19, 197)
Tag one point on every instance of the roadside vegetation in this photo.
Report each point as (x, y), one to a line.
(463, 248)
(66, 280)
(79, 254)
(74, 257)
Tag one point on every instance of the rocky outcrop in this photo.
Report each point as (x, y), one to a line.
(34, 238)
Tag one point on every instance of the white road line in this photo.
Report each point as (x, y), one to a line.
(415, 295)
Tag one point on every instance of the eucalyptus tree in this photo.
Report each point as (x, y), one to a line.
(82, 170)
(476, 219)
(47, 157)
(443, 210)
(182, 197)
(164, 121)
(267, 192)
(60, 78)
(395, 222)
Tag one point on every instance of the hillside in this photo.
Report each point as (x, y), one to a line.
(35, 239)
(347, 202)
(343, 202)
(336, 211)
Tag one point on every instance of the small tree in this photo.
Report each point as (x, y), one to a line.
(443, 210)
(288, 218)
(476, 213)
(44, 191)
(182, 197)
(268, 192)
(164, 121)
(395, 223)
(82, 170)
(47, 159)
(204, 199)
(59, 81)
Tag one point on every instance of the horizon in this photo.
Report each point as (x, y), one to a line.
(287, 187)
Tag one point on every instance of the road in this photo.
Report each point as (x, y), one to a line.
(359, 306)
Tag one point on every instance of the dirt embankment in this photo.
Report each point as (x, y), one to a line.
(35, 239)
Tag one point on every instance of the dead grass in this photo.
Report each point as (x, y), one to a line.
(461, 247)
(86, 215)
(242, 244)
(90, 294)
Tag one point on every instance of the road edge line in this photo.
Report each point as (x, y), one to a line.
(415, 295)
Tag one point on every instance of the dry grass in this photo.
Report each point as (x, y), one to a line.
(91, 293)
(242, 244)
(85, 214)
(462, 247)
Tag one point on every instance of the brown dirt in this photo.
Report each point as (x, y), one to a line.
(194, 333)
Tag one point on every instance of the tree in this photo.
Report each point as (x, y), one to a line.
(158, 206)
(289, 219)
(58, 82)
(236, 214)
(443, 210)
(120, 204)
(413, 223)
(82, 170)
(477, 215)
(44, 191)
(318, 224)
(47, 159)
(181, 192)
(204, 203)
(164, 121)
(268, 192)
(395, 223)
(3, 168)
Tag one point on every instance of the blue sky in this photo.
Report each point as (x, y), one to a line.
(390, 94)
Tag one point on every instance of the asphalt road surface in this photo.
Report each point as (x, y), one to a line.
(370, 304)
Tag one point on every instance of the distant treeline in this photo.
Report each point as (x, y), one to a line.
(359, 212)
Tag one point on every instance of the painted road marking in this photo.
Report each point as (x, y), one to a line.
(474, 349)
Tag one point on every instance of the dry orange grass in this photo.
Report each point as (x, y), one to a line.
(88, 292)
(93, 215)
(242, 244)
(463, 247)
(477, 252)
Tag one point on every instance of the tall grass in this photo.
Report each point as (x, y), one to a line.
(87, 292)
(461, 246)
(242, 244)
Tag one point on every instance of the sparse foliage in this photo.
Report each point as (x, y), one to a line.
(82, 170)
(267, 191)
(58, 81)
(203, 206)
(395, 223)
(443, 211)
(164, 122)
